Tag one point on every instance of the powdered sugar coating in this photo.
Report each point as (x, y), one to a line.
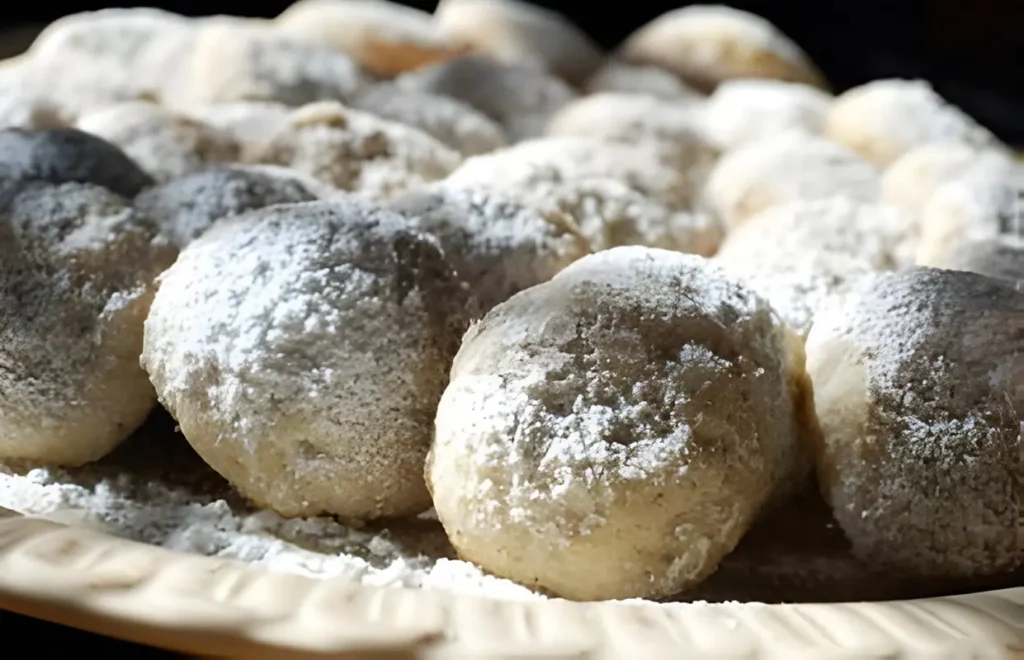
(520, 98)
(553, 160)
(385, 38)
(309, 365)
(612, 214)
(709, 44)
(454, 123)
(520, 32)
(229, 61)
(911, 180)
(918, 390)
(982, 205)
(801, 255)
(20, 107)
(1001, 257)
(188, 206)
(587, 445)
(671, 126)
(497, 244)
(76, 276)
(883, 119)
(742, 111)
(618, 76)
(166, 144)
(357, 152)
(785, 168)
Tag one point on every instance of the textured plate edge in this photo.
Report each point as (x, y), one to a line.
(218, 608)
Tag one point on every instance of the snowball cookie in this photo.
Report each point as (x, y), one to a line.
(88, 60)
(559, 159)
(911, 180)
(978, 206)
(355, 151)
(385, 38)
(803, 254)
(20, 106)
(884, 119)
(521, 33)
(497, 244)
(1001, 257)
(166, 143)
(309, 367)
(673, 126)
(917, 384)
(453, 123)
(617, 76)
(64, 155)
(77, 267)
(230, 62)
(709, 44)
(248, 122)
(613, 433)
(742, 111)
(520, 98)
(785, 168)
(187, 207)
(611, 214)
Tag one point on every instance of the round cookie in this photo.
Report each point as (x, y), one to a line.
(497, 244)
(611, 214)
(911, 180)
(77, 267)
(228, 62)
(803, 254)
(785, 168)
(315, 350)
(618, 76)
(917, 385)
(385, 38)
(520, 33)
(69, 155)
(556, 160)
(706, 45)
(454, 123)
(165, 143)
(884, 119)
(520, 98)
(613, 433)
(355, 151)
(248, 122)
(672, 126)
(1000, 257)
(978, 206)
(742, 111)
(186, 207)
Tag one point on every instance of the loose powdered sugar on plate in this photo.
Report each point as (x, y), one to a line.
(155, 490)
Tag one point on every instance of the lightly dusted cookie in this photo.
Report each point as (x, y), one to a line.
(77, 270)
(706, 45)
(785, 168)
(520, 33)
(614, 432)
(498, 244)
(309, 365)
(918, 389)
(385, 38)
(355, 151)
(65, 155)
(742, 111)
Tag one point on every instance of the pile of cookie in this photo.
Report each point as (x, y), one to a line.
(601, 311)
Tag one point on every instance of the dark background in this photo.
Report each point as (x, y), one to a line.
(971, 51)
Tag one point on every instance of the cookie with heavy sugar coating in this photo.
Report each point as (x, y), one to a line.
(315, 348)
(614, 432)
